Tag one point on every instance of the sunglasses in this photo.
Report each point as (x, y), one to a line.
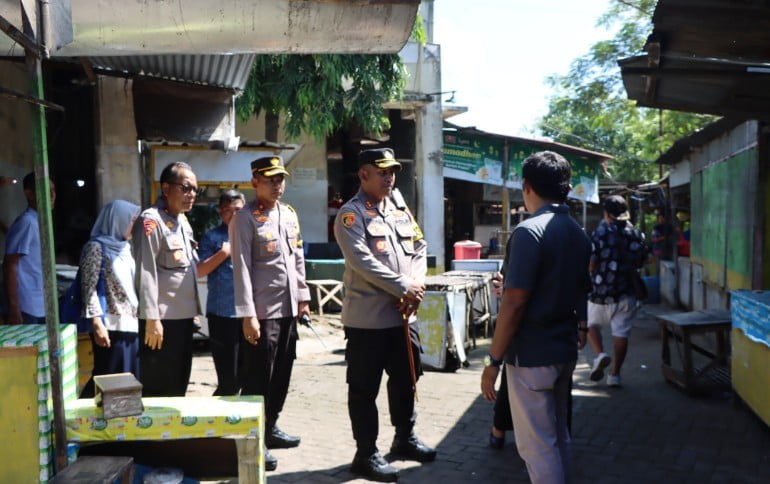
(185, 188)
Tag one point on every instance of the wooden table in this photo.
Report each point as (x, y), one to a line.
(677, 330)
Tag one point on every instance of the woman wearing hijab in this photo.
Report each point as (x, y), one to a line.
(115, 327)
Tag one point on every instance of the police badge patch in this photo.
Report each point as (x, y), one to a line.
(149, 226)
(348, 219)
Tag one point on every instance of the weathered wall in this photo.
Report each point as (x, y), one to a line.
(118, 170)
(15, 145)
(724, 197)
(307, 186)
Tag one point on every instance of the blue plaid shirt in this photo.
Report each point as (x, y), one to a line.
(221, 296)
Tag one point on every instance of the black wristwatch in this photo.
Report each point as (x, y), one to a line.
(489, 360)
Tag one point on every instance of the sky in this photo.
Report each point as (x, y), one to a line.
(496, 55)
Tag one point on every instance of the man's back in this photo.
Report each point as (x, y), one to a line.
(618, 250)
(549, 258)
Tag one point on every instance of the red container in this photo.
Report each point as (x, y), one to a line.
(467, 249)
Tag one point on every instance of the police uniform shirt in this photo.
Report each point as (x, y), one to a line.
(268, 262)
(166, 257)
(384, 250)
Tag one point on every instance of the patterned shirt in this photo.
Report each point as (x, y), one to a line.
(221, 293)
(618, 249)
(121, 311)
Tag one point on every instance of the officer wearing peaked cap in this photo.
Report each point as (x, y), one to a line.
(385, 266)
(270, 293)
(166, 258)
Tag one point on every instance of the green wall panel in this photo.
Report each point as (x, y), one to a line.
(741, 197)
(724, 199)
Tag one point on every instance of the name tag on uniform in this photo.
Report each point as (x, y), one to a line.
(377, 229)
(175, 242)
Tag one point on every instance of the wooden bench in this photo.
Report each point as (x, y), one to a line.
(678, 331)
(326, 290)
(97, 470)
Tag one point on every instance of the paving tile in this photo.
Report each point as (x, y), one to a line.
(648, 431)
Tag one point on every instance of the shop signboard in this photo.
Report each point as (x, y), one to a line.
(473, 158)
(479, 159)
(585, 180)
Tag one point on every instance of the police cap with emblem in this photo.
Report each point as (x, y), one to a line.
(381, 158)
(268, 166)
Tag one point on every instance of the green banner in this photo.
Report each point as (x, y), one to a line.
(473, 158)
(480, 159)
(585, 179)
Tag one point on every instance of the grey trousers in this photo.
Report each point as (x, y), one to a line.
(539, 399)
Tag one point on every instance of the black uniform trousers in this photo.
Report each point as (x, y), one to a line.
(166, 372)
(368, 353)
(225, 336)
(120, 357)
(266, 367)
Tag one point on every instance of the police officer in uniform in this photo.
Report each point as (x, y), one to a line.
(385, 266)
(166, 257)
(270, 293)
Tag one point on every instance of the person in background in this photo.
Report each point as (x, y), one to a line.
(542, 320)
(501, 422)
(23, 265)
(385, 267)
(662, 238)
(333, 207)
(114, 335)
(224, 328)
(270, 294)
(683, 234)
(166, 259)
(618, 251)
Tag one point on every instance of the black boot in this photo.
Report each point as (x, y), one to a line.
(374, 467)
(276, 438)
(271, 463)
(408, 446)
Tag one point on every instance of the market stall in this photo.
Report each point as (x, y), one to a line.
(455, 304)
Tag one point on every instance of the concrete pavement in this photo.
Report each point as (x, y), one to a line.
(647, 431)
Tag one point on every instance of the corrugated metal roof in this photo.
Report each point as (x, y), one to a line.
(228, 71)
(541, 143)
(705, 56)
(683, 146)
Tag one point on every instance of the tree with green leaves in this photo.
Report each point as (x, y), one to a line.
(320, 93)
(589, 107)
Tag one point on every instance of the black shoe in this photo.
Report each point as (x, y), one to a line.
(496, 442)
(278, 439)
(412, 448)
(271, 463)
(374, 467)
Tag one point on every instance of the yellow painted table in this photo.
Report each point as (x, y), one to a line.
(751, 349)
(173, 418)
(28, 396)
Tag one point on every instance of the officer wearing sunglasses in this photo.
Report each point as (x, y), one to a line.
(166, 257)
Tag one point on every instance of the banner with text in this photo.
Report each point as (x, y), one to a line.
(479, 159)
